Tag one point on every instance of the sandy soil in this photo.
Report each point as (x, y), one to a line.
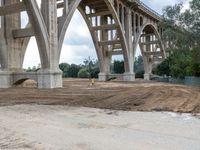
(40, 127)
(135, 96)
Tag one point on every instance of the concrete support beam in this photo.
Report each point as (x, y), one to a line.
(102, 13)
(117, 53)
(106, 27)
(111, 42)
(12, 8)
(23, 33)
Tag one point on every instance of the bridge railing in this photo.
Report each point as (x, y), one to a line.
(149, 9)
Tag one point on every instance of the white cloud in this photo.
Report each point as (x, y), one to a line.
(76, 54)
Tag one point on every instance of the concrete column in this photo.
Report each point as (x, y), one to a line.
(147, 61)
(51, 77)
(129, 75)
(66, 7)
(13, 46)
(134, 27)
(122, 16)
(138, 23)
(117, 7)
(11, 54)
(106, 60)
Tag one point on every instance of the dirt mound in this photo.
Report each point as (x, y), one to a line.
(135, 96)
(27, 84)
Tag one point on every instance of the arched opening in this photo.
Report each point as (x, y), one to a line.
(24, 19)
(31, 58)
(101, 39)
(117, 65)
(31, 62)
(78, 46)
(106, 35)
(138, 64)
(151, 48)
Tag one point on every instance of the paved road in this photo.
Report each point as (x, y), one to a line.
(69, 128)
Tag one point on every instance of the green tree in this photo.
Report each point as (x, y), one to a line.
(92, 67)
(179, 63)
(73, 70)
(33, 69)
(139, 67)
(83, 73)
(182, 31)
(194, 62)
(163, 68)
(118, 66)
(64, 67)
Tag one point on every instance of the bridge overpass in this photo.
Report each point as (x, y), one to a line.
(117, 27)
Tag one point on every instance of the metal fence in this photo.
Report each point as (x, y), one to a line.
(189, 80)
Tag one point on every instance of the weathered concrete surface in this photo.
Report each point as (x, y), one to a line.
(70, 128)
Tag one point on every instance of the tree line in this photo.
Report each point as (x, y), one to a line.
(182, 31)
(90, 68)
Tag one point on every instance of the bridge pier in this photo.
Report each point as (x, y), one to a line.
(103, 76)
(5, 79)
(129, 76)
(49, 79)
(44, 78)
(147, 76)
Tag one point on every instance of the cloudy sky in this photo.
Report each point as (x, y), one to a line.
(78, 43)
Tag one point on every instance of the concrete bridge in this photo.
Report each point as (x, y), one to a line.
(116, 27)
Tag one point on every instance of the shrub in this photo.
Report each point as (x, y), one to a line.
(83, 73)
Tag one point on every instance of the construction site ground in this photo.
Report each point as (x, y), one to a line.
(127, 96)
(105, 116)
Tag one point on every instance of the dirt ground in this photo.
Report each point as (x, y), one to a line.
(135, 96)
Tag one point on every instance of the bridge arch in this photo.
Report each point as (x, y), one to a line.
(105, 28)
(151, 46)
